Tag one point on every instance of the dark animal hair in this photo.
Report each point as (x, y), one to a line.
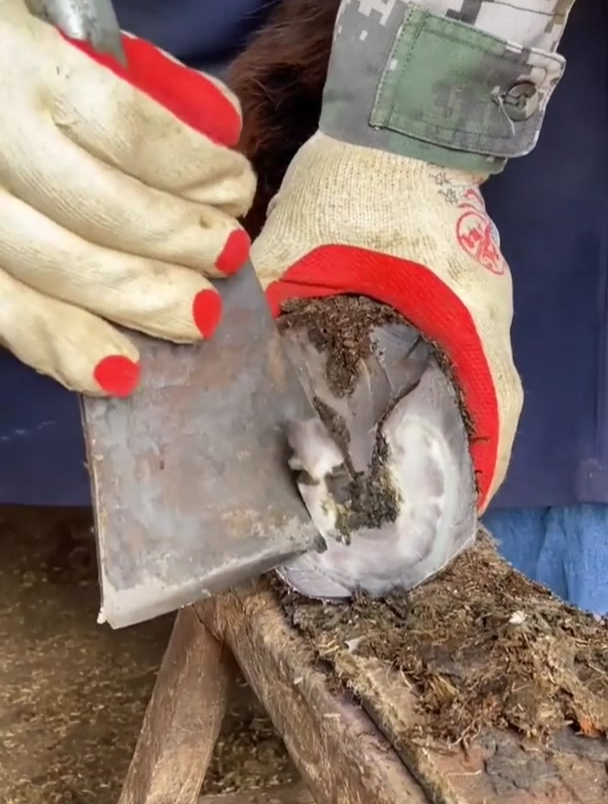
(279, 80)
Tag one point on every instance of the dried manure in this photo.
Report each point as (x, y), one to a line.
(482, 646)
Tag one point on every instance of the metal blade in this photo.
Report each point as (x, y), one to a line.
(190, 479)
(92, 21)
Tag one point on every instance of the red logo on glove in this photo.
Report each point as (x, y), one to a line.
(477, 235)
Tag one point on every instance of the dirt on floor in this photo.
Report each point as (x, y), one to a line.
(73, 694)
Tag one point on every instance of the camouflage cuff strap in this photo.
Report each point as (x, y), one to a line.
(436, 89)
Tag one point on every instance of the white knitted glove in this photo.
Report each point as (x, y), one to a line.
(416, 237)
(118, 194)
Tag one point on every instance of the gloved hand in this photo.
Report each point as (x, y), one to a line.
(356, 220)
(118, 194)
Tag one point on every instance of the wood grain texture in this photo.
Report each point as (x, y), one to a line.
(183, 718)
(498, 766)
(296, 793)
(340, 754)
(343, 758)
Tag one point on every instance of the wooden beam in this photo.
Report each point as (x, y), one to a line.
(296, 793)
(183, 718)
(347, 748)
(340, 754)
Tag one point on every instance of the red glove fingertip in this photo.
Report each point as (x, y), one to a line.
(117, 375)
(186, 93)
(207, 312)
(235, 252)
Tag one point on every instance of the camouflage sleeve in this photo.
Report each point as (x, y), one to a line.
(461, 83)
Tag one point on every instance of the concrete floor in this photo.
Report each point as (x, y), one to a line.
(72, 693)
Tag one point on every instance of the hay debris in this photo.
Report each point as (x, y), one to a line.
(342, 327)
(481, 645)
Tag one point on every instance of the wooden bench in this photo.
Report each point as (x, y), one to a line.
(346, 752)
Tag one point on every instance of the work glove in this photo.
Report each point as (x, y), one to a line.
(119, 194)
(408, 451)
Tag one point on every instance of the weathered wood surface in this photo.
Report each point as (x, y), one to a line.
(340, 754)
(499, 766)
(183, 718)
(296, 793)
(343, 759)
